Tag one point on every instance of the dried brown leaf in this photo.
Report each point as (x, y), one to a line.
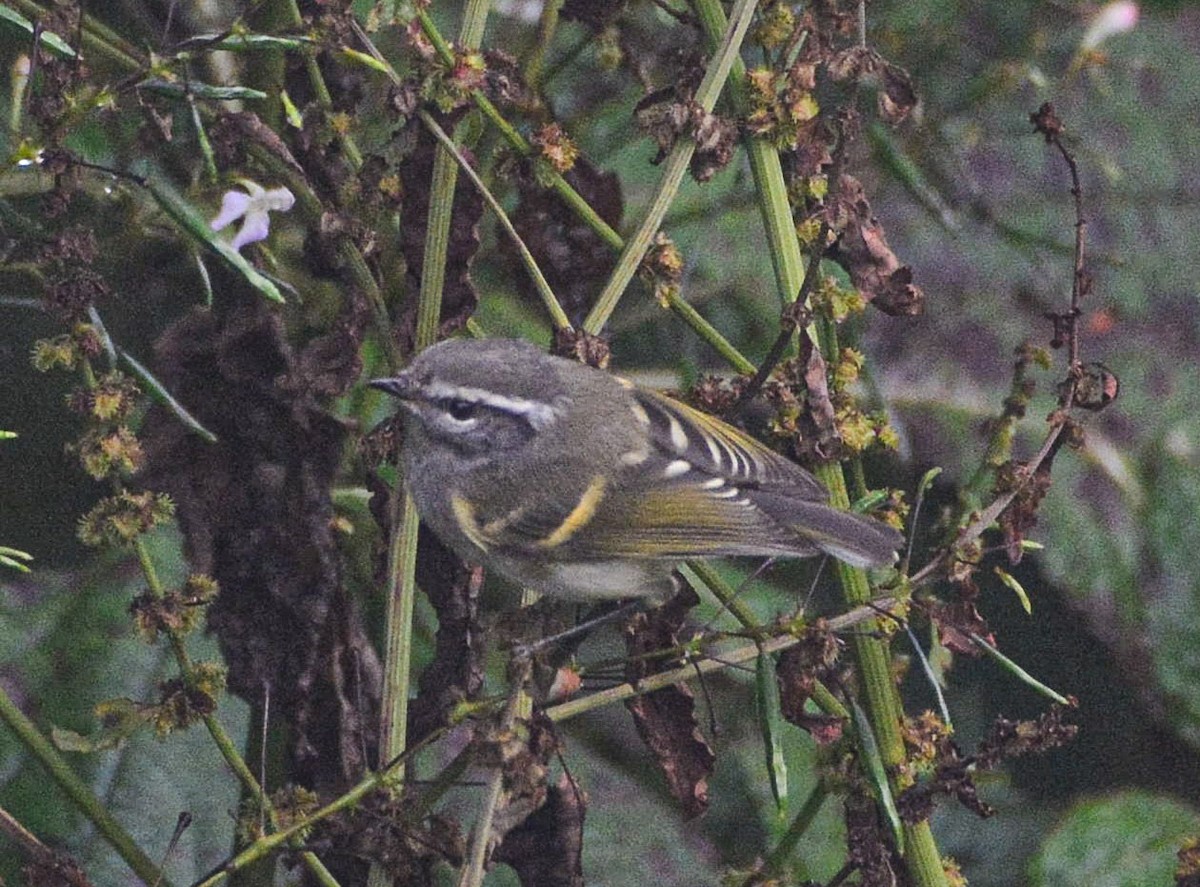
(666, 718)
(862, 249)
(546, 849)
(256, 515)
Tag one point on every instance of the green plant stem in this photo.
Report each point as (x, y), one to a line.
(871, 652)
(674, 168)
(798, 827)
(787, 259)
(729, 658)
(317, 80)
(79, 793)
(709, 333)
(398, 642)
(580, 207)
(518, 701)
(268, 844)
(402, 552)
(873, 658)
(821, 695)
(553, 308)
(558, 184)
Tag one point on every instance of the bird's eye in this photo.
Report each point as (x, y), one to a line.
(461, 410)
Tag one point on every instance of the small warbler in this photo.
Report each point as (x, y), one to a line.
(577, 483)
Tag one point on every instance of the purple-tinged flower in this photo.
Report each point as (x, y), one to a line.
(252, 207)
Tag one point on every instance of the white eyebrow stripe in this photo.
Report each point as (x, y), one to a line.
(677, 467)
(538, 413)
(714, 483)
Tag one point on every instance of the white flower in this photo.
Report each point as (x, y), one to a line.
(252, 208)
(1113, 18)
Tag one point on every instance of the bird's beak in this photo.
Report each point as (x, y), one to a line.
(401, 387)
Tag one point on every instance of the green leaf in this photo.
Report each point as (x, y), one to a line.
(160, 395)
(1127, 840)
(770, 721)
(927, 480)
(180, 88)
(186, 216)
(247, 42)
(294, 118)
(12, 557)
(876, 771)
(49, 38)
(364, 59)
(1021, 674)
(1011, 581)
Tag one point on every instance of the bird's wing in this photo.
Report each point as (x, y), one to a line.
(702, 488)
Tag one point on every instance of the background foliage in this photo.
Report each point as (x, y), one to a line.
(971, 200)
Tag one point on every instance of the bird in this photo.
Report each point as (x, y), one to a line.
(579, 484)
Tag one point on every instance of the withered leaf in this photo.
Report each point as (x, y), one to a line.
(546, 850)
(862, 249)
(234, 130)
(800, 667)
(956, 622)
(867, 843)
(1021, 514)
(666, 718)
(256, 515)
(820, 409)
(456, 672)
(897, 97)
(572, 256)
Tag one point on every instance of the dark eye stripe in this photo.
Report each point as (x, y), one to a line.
(458, 409)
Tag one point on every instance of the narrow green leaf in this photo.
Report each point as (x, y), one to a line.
(180, 88)
(49, 38)
(248, 42)
(770, 721)
(186, 216)
(935, 679)
(205, 279)
(294, 118)
(1012, 582)
(876, 771)
(1021, 674)
(160, 395)
(364, 59)
(7, 561)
